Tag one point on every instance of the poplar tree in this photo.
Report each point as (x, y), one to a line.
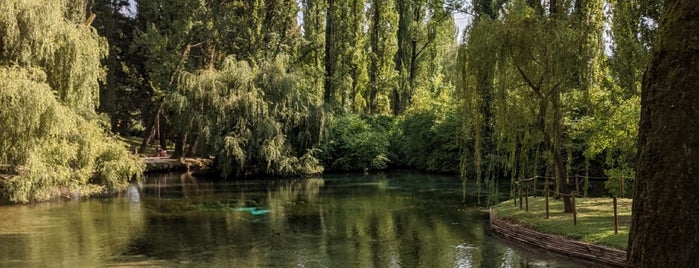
(345, 55)
(383, 44)
(420, 23)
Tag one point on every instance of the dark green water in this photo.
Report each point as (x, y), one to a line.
(386, 220)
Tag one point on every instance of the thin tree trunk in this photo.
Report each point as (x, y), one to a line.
(149, 134)
(401, 55)
(180, 142)
(193, 143)
(556, 151)
(665, 222)
(552, 142)
(329, 93)
(162, 131)
(374, 63)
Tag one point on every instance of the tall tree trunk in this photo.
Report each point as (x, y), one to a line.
(193, 143)
(149, 134)
(180, 142)
(329, 94)
(553, 7)
(553, 143)
(559, 166)
(162, 130)
(401, 54)
(665, 221)
(374, 62)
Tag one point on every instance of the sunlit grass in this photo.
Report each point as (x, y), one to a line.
(595, 219)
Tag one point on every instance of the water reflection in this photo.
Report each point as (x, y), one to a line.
(386, 220)
(70, 234)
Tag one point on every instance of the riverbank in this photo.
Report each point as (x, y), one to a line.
(556, 243)
(164, 164)
(591, 236)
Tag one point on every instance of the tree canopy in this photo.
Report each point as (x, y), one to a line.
(53, 140)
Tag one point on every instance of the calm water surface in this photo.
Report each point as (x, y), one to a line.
(387, 220)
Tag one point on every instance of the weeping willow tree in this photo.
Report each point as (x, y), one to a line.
(254, 119)
(53, 141)
(477, 89)
(525, 77)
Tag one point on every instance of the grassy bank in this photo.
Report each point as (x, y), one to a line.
(595, 222)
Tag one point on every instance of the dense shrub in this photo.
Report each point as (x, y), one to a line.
(429, 142)
(357, 142)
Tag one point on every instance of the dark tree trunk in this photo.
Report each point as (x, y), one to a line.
(665, 222)
(329, 94)
(396, 101)
(149, 133)
(553, 7)
(180, 142)
(374, 62)
(401, 54)
(152, 116)
(553, 143)
(162, 130)
(193, 143)
(559, 166)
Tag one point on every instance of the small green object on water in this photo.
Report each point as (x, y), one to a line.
(253, 210)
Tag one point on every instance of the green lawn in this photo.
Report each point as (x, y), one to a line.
(595, 219)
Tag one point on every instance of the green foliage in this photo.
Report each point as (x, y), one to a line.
(383, 20)
(426, 137)
(49, 74)
(425, 33)
(255, 120)
(55, 151)
(429, 142)
(49, 35)
(429, 136)
(610, 130)
(552, 91)
(358, 143)
(619, 179)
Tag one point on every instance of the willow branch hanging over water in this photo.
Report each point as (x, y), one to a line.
(254, 119)
(49, 75)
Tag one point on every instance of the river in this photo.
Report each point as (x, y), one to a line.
(393, 219)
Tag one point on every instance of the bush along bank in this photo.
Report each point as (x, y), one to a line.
(421, 140)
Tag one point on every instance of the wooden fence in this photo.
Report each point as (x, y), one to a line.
(526, 187)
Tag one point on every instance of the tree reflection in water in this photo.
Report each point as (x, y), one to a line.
(384, 220)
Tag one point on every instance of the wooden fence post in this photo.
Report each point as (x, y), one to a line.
(616, 217)
(526, 198)
(622, 186)
(577, 184)
(519, 185)
(575, 214)
(547, 200)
